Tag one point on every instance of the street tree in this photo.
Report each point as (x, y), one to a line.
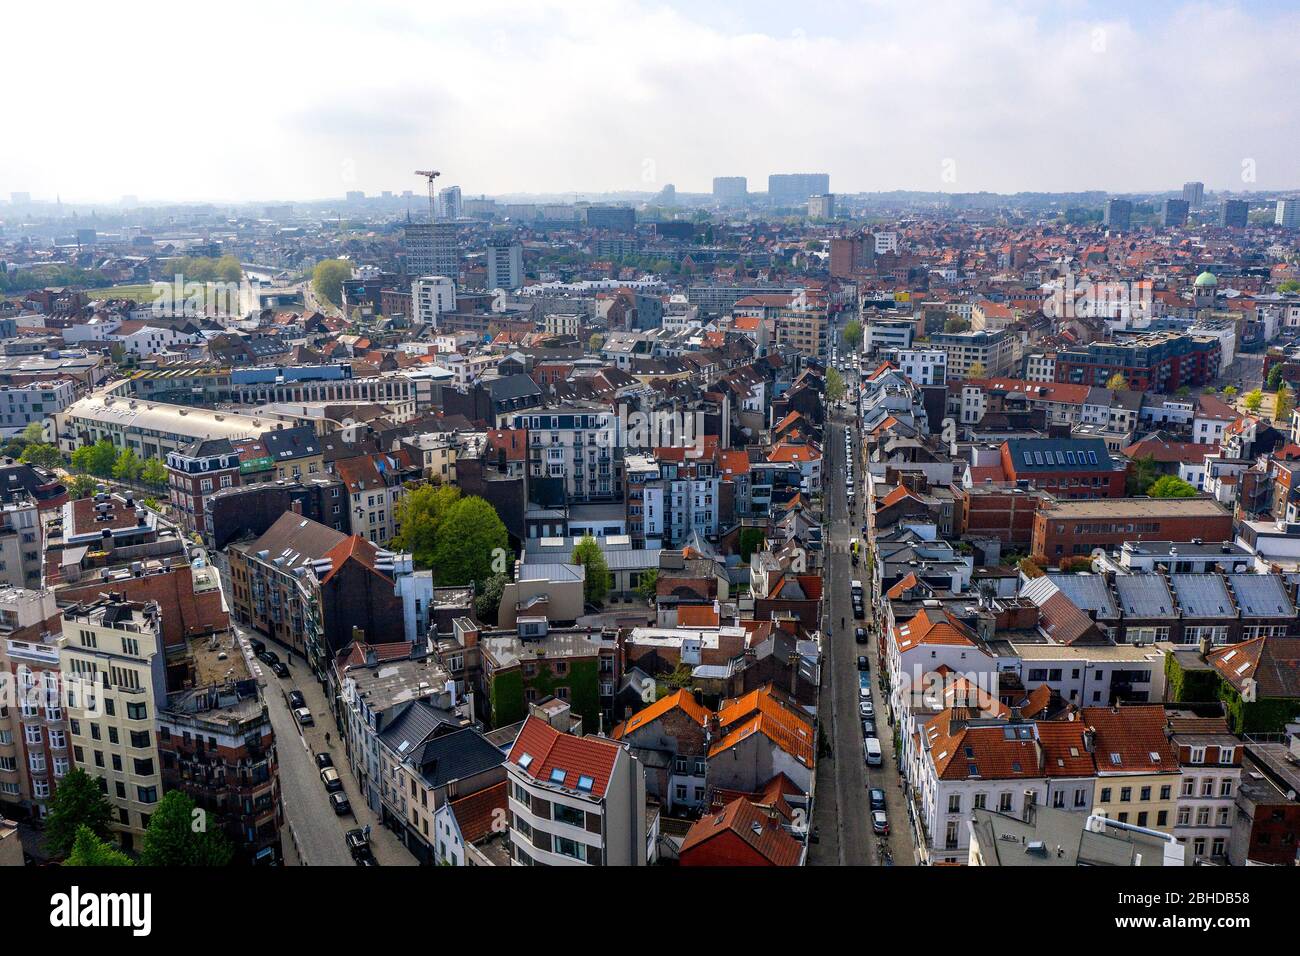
(595, 585)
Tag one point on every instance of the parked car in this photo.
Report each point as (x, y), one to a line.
(279, 669)
(871, 748)
(868, 727)
(865, 709)
(339, 801)
(877, 798)
(296, 699)
(259, 647)
(864, 691)
(356, 839)
(324, 760)
(304, 717)
(330, 777)
(364, 857)
(862, 662)
(268, 657)
(879, 822)
(860, 635)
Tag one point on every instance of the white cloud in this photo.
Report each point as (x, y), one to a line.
(304, 100)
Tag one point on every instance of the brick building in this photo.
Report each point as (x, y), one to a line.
(1074, 528)
(1065, 467)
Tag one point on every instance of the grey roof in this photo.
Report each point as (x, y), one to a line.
(1261, 595)
(294, 540)
(456, 756)
(1144, 595)
(285, 444)
(413, 726)
(1059, 454)
(1088, 592)
(513, 386)
(1203, 595)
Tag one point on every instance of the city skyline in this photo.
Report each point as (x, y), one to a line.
(630, 96)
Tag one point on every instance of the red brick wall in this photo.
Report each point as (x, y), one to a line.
(184, 613)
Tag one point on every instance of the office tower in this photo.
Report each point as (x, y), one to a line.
(852, 253)
(730, 189)
(614, 218)
(1194, 194)
(450, 204)
(354, 195)
(505, 265)
(821, 207)
(1119, 212)
(1234, 213)
(795, 189)
(1288, 214)
(432, 249)
(432, 296)
(1174, 213)
(114, 666)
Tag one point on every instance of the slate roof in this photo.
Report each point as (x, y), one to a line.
(1059, 454)
(455, 756)
(1144, 595)
(1261, 595)
(1203, 595)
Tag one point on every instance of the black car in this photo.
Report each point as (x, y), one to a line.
(268, 657)
(877, 799)
(259, 648)
(868, 727)
(324, 760)
(279, 670)
(339, 801)
(862, 661)
(296, 700)
(860, 635)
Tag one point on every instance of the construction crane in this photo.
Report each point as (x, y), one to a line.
(431, 175)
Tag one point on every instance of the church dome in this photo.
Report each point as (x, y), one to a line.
(1206, 280)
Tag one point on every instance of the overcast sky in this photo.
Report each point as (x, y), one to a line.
(246, 101)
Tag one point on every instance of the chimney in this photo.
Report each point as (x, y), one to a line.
(296, 506)
(1090, 739)
(1031, 800)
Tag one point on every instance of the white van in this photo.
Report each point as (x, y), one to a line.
(871, 748)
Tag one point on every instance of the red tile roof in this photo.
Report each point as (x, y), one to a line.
(683, 699)
(764, 835)
(476, 813)
(550, 750)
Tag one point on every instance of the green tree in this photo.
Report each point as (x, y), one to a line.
(418, 514)
(472, 543)
(1117, 382)
(1142, 474)
(750, 540)
(97, 459)
(487, 606)
(1230, 391)
(41, 455)
(977, 370)
(33, 433)
(1288, 286)
(834, 385)
(179, 834)
(1171, 486)
(956, 325)
(648, 586)
(82, 486)
(1254, 399)
(77, 803)
(90, 850)
(1183, 392)
(154, 472)
(596, 583)
(128, 466)
(328, 277)
(1275, 377)
(1282, 405)
(596, 342)
(853, 334)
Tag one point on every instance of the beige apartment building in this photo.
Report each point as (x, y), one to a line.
(34, 752)
(113, 663)
(804, 330)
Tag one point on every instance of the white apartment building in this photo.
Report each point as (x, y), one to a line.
(114, 669)
(20, 405)
(34, 752)
(574, 801)
(505, 266)
(577, 444)
(924, 366)
(432, 296)
(1040, 367)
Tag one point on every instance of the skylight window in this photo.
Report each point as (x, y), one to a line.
(525, 760)
(585, 783)
(1116, 759)
(557, 775)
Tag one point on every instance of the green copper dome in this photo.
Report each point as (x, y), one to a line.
(1206, 279)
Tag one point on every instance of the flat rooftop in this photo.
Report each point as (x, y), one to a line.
(1136, 507)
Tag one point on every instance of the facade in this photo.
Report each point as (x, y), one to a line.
(505, 265)
(577, 448)
(976, 354)
(21, 545)
(1154, 362)
(924, 366)
(1118, 214)
(432, 249)
(1075, 528)
(1068, 468)
(20, 405)
(112, 659)
(432, 296)
(1138, 776)
(195, 472)
(574, 801)
(34, 749)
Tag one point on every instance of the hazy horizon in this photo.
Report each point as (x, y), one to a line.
(303, 102)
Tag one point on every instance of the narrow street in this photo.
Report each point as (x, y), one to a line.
(842, 813)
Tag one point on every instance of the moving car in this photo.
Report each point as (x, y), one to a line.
(330, 777)
(304, 717)
(879, 822)
(339, 801)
